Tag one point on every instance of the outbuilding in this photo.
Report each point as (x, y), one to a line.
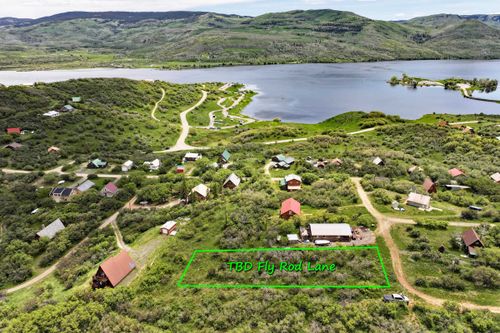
(496, 177)
(168, 228)
(330, 231)
(153, 165)
(127, 166)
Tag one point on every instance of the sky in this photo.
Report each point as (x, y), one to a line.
(375, 9)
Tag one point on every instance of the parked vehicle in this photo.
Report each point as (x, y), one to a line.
(396, 298)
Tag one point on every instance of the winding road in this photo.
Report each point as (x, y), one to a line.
(384, 229)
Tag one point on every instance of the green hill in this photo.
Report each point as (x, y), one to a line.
(209, 39)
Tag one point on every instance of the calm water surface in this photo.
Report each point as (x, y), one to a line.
(311, 93)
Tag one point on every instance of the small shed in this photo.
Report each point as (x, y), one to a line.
(378, 161)
(224, 157)
(168, 228)
(180, 168)
(496, 177)
(127, 166)
(293, 238)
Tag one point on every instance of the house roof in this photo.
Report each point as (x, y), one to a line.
(118, 267)
(201, 189)
(51, 114)
(280, 157)
(192, 155)
(496, 177)
(289, 160)
(53, 148)
(292, 177)
(458, 187)
(12, 130)
(68, 107)
(128, 163)
(226, 155)
(61, 191)
(455, 172)
(470, 237)
(233, 178)
(290, 205)
(85, 186)
(377, 160)
(421, 199)
(76, 99)
(330, 229)
(14, 145)
(97, 162)
(110, 188)
(168, 225)
(428, 184)
(292, 237)
(51, 230)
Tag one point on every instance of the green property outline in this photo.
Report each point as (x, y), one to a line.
(181, 285)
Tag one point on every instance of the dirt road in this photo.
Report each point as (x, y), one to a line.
(384, 230)
(158, 104)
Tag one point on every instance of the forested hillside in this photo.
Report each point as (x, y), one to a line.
(207, 39)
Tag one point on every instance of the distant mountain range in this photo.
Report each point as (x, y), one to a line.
(162, 38)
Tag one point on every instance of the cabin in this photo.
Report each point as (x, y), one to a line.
(51, 114)
(51, 230)
(293, 238)
(109, 190)
(85, 186)
(340, 232)
(291, 182)
(53, 149)
(429, 186)
(378, 161)
(471, 241)
(13, 130)
(13, 146)
(289, 208)
(419, 200)
(62, 193)
(127, 166)
(232, 181)
(112, 271)
(456, 172)
(180, 168)
(67, 108)
(192, 157)
(496, 177)
(97, 164)
(153, 165)
(200, 192)
(168, 228)
(224, 157)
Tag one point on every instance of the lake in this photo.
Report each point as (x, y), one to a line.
(310, 93)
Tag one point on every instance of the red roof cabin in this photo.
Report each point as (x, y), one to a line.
(289, 208)
(471, 240)
(430, 186)
(14, 130)
(456, 172)
(113, 271)
(180, 169)
(109, 190)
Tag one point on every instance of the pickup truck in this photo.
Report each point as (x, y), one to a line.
(396, 298)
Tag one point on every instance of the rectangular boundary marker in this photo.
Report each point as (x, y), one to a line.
(183, 285)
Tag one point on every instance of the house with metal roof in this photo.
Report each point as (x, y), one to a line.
(127, 166)
(85, 186)
(224, 157)
(471, 241)
(419, 200)
(153, 165)
(232, 181)
(51, 230)
(290, 207)
(200, 192)
(378, 161)
(112, 271)
(97, 164)
(109, 190)
(429, 186)
(456, 172)
(291, 182)
(67, 108)
(496, 177)
(330, 231)
(191, 157)
(168, 228)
